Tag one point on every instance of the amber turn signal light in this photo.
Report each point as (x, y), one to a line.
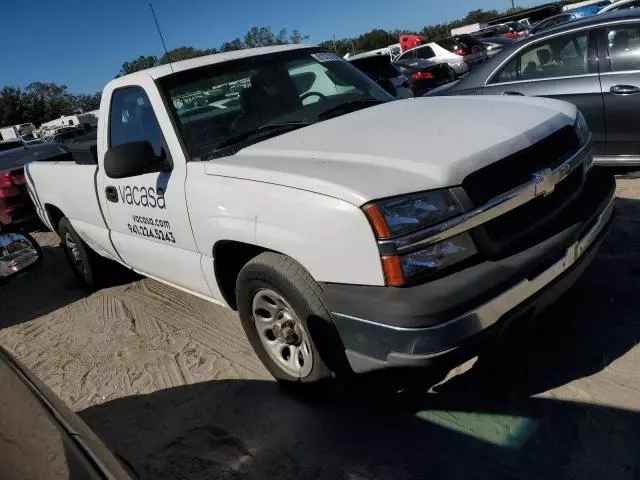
(392, 268)
(377, 221)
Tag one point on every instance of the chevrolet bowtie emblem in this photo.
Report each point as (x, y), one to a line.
(546, 181)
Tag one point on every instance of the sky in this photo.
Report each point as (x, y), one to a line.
(82, 44)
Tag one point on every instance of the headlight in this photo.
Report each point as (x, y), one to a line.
(582, 129)
(440, 255)
(400, 215)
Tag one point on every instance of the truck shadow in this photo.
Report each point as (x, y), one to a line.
(482, 423)
(252, 429)
(46, 288)
(596, 322)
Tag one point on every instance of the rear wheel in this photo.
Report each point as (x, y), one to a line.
(284, 317)
(87, 264)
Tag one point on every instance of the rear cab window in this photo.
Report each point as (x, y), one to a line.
(34, 153)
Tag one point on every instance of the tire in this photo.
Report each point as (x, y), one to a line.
(271, 275)
(87, 264)
(452, 74)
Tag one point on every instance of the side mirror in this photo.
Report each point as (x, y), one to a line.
(134, 158)
(18, 253)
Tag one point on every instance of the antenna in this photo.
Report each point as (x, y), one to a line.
(164, 45)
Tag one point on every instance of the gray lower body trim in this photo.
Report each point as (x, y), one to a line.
(386, 345)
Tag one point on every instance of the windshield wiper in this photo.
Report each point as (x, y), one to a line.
(269, 128)
(350, 106)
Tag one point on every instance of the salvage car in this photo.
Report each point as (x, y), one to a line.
(460, 52)
(15, 206)
(424, 75)
(341, 250)
(593, 63)
(379, 68)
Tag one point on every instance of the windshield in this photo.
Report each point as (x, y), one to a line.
(217, 104)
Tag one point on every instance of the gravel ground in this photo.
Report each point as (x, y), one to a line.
(169, 381)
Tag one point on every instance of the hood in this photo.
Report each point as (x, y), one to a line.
(398, 147)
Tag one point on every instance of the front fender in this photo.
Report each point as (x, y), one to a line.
(331, 238)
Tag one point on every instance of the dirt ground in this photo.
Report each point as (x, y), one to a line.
(169, 381)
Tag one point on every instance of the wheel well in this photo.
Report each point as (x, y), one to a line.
(55, 215)
(229, 258)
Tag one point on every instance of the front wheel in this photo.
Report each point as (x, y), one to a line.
(283, 314)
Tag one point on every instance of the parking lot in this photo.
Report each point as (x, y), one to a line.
(170, 383)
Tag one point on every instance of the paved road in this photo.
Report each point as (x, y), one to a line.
(169, 381)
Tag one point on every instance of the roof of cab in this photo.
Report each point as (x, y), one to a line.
(164, 70)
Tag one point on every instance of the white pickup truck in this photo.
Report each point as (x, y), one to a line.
(351, 232)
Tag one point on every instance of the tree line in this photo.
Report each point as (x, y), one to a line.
(255, 37)
(40, 102)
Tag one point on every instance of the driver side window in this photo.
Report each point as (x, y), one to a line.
(132, 119)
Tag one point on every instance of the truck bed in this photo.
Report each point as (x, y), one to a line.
(71, 187)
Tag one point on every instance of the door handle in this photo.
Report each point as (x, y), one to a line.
(624, 89)
(513, 93)
(111, 194)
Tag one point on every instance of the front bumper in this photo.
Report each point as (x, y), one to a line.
(534, 278)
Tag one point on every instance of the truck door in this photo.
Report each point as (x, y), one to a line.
(147, 213)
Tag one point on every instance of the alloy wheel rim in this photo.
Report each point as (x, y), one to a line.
(282, 334)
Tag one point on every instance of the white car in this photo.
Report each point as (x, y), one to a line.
(351, 232)
(461, 52)
(620, 5)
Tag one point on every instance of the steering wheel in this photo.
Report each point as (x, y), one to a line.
(311, 94)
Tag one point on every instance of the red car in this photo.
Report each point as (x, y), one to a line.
(15, 204)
